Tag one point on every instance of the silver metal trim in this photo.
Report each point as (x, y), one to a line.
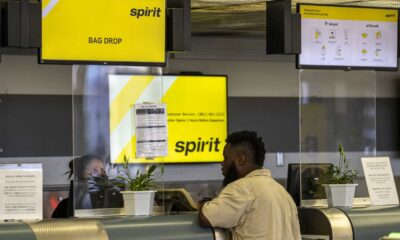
(340, 223)
(77, 229)
(221, 234)
(322, 203)
(99, 212)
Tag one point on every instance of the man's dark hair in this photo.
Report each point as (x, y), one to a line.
(253, 142)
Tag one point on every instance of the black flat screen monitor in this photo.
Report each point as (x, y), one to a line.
(310, 174)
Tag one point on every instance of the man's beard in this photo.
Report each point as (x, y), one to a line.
(231, 175)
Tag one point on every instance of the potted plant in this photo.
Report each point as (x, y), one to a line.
(140, 189)
(340, 186)
(104, 191)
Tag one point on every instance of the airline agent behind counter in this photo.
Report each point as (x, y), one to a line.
(252, 204)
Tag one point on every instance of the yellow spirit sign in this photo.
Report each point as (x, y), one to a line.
(121, 31)
(196, 114)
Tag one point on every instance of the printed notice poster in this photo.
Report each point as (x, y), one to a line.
(151, 130)
(21, 191)
(380, 181)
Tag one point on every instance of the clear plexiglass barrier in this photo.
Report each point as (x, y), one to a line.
(118, 115)
(336, 108)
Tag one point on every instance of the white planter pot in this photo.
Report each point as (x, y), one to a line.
(138, 203)
(340, 195)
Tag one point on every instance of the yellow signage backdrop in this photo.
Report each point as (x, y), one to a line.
(103, 30)
(348, 13)
(197, 115)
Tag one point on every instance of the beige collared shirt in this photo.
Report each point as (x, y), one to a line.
(255, 207)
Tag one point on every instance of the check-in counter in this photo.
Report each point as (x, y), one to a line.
(165, 227)
(367, 223)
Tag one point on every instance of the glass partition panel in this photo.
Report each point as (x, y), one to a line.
(106, 133)
(336, 108)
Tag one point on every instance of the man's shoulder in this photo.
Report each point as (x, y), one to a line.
(236, 184)
(255, 181)
(239, 186)
(245, 185)
(261, 185)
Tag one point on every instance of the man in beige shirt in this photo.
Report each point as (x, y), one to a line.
(252, 204)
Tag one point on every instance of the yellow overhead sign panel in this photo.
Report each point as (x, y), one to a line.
(126, 31)
(348, 37)
(348, 13)
(197, 115)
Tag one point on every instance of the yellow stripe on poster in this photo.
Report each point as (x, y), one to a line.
(48, 6)
(348, 13)
(127, 98)
(45, 3)
(127, 151)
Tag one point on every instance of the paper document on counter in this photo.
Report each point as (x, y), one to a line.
(21, 188)
(380, 182)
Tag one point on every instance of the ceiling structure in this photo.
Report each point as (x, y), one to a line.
(248, 17)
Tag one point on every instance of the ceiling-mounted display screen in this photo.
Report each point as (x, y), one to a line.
(348, 37)
(129, 32)
(196, 115)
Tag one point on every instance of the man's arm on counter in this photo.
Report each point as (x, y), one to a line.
(226, 210)
(203, 221)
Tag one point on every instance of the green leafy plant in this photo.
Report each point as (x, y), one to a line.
(340, 174)
(142, 181)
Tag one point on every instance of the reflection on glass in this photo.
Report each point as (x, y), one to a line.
(96, 185)
(336, 107)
